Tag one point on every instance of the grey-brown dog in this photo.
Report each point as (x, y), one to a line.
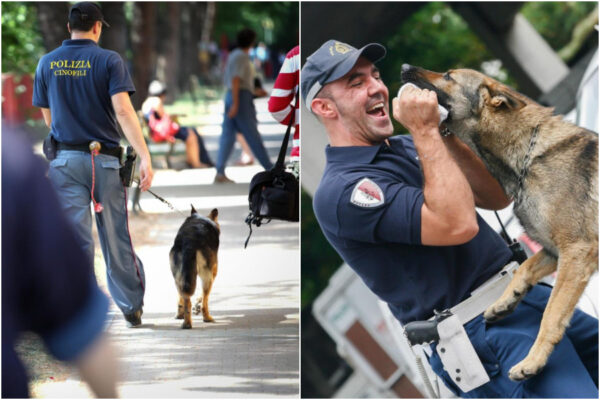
(550, 168)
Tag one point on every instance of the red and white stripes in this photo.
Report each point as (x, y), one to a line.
(281, 102)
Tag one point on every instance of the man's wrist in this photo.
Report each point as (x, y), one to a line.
(426, 132)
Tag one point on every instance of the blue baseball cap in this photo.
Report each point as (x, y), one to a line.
(333, 60)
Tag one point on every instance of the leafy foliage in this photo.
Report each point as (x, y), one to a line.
(22, 44)
(547, 17)
(279, 18)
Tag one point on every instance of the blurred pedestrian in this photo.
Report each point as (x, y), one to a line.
(84, 91)
(48, 285)
(165, 127)
(282, 103)
(240, 114)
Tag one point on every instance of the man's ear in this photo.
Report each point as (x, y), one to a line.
(500, 98)
(324, 108)
(68, 27)
(97, 27)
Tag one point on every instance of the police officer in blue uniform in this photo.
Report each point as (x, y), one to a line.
(401, 212)
(84, 91)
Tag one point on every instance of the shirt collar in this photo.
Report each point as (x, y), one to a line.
(353, 154)
(79, 42)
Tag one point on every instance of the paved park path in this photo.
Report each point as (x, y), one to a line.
(252, 350)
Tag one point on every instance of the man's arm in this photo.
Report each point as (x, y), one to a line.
(47, 116)
(486, 189)
(448, 213)
(133, 132)
(235, 94)
(99, 368)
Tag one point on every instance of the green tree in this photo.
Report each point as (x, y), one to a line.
(276, 23)
(22, 45)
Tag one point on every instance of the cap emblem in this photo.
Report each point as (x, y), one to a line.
(367, 194)
(340, 48)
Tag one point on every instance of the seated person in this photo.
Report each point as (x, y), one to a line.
(195, 151)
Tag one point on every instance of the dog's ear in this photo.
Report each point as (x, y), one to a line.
(214, 214)
(193, 210)
(500, 98)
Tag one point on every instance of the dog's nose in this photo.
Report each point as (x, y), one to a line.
(406, 67)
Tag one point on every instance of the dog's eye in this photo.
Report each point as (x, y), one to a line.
(447, 76)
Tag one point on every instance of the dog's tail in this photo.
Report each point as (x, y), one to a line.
(189, 272)
(183, 265)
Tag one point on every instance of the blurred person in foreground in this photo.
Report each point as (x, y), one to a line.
(83, 91)
(48, 284)
(240, 114)
(284, 104)
(165, 127)
(400, 210)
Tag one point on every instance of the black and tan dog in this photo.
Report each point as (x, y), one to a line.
(193, 254)
(550, 168)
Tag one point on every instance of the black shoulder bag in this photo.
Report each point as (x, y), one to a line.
(274, 194)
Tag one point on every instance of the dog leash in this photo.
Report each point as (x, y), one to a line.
(161, 199)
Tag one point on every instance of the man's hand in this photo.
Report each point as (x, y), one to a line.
(260, 92)
(133, 132)
(233, 110)
(417, 110)
(146, 174)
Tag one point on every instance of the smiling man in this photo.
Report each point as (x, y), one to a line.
(401, 212)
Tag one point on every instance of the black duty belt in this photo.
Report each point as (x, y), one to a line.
(115, 151)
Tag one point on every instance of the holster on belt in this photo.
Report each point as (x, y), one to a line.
(127, 170)
(458, 355)
(50, 147)
(453, 344)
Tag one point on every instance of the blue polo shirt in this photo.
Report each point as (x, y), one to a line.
(76, 82)
(368, 205)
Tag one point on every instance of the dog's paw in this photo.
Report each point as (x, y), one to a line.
(208, 318)
(525, 370)
(186, 325)
(179, 316)
(500, 309)
(197, 309)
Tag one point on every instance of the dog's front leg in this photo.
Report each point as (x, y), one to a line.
(527, 275)
(577, 263)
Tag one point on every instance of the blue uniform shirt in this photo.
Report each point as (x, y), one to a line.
(76, 81)
(369, 207)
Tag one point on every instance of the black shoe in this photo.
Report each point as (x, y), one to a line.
(134, 319)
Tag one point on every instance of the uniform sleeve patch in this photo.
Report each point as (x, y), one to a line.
(367, 194)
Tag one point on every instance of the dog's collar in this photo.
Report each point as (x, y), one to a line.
(525, 166)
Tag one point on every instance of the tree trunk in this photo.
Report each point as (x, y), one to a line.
(191, 30)
(115, 37)
(168, 49)
(53, 18)
(143, 45)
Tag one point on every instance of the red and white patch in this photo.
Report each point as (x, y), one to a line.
(366, 193)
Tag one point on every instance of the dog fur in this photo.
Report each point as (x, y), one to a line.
(558, 206)
(193, 254)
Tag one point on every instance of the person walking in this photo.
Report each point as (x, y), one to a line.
(240, 114)
(83, 91)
